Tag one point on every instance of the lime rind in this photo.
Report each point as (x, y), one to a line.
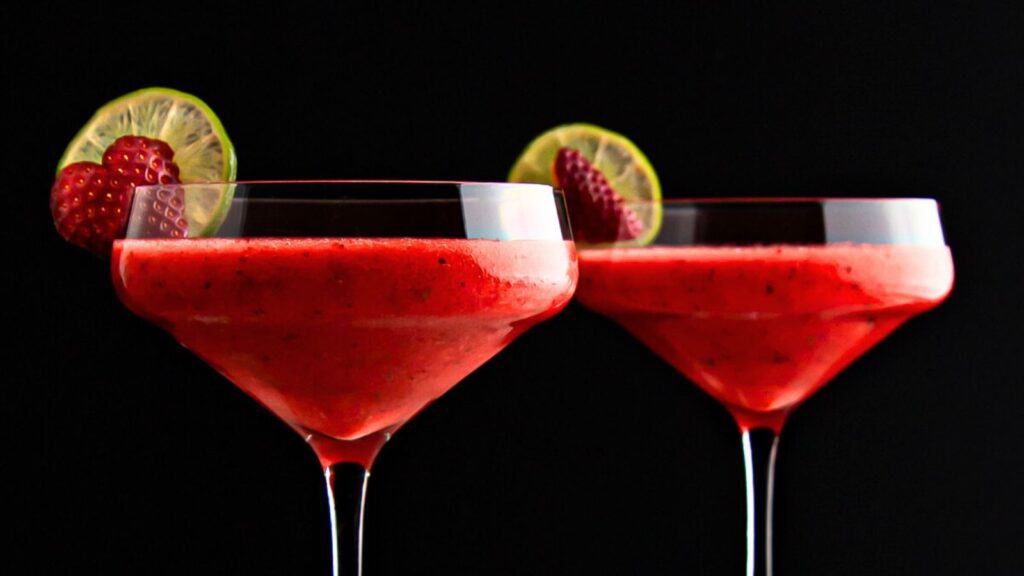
(203, 150)
(627, 169)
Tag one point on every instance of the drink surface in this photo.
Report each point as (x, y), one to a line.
(761, 328)
(344, 339)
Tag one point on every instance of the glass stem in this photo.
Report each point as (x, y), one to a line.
(346, 494)
(760, 447)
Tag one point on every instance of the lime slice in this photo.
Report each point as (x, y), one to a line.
(202, 150)
(621, 162)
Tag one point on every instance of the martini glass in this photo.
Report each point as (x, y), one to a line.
(346, 307)
(762, 302)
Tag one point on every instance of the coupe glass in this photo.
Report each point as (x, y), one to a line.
(760, 302)
(346, 307)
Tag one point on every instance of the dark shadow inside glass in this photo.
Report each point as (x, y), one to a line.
(733, 223)
(314, 218)
(744, 222)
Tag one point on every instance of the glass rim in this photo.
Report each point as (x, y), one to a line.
(342, 182)
(350, 209)
(789, 220)
(752, 200)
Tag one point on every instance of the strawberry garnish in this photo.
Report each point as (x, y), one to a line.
(90, 201)
(598, 213)
(87, 211)
(138, 161)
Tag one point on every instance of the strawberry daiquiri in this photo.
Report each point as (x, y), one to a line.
(761, 302)
(346, 307)
(344, 339)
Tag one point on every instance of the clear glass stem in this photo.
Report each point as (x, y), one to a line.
(760, 447)
(346, 494)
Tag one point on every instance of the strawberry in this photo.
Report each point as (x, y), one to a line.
(140, 161)
(86, 210)
(597, 212)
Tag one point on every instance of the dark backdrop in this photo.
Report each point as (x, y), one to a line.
(575, 450)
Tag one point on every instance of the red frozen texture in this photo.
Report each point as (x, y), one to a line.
(345, 339)
(762, 328)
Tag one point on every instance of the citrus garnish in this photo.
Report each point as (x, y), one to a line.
(625, 168)
(202, 150)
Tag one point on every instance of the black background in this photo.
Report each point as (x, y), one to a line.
(575, 450)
